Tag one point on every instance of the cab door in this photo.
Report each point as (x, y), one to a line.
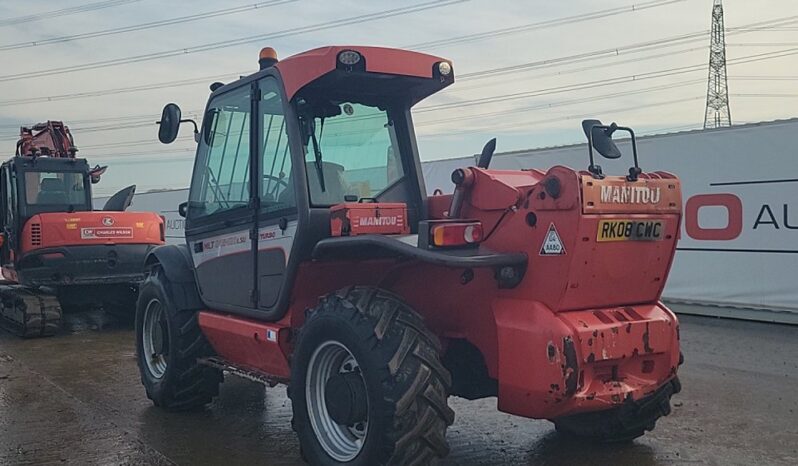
(220, 217)
(277, 214)
(7, 214)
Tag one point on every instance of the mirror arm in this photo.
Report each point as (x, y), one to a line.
(594, 169)
(188, 120)
(635, 170)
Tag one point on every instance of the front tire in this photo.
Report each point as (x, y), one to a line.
(168, 343)
(367, 386)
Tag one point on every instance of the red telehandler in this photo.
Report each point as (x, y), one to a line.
(315, 258)
(57, 252)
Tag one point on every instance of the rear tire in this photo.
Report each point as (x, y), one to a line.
(623, 424)
(168, 344)
(372, 342)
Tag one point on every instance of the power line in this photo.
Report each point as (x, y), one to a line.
(141, 142)
(764, 78)
(233, 42)
(561, 103)
(145, 122)
(120, 90)
(765, 95)
(523, 67)
(63, 12)
(145, 117)
(606, 82)
(592, 55)
(573, 117)
(144, 26)
(762, 44)
(544, 24)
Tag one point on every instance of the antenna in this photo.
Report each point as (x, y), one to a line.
(717, 113)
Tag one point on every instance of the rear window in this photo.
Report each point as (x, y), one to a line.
(53, 188)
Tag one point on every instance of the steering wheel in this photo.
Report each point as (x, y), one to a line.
(277, 183)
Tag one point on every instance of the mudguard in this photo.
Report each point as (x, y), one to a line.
(175, 261)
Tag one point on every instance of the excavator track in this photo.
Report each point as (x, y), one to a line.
(28, 312)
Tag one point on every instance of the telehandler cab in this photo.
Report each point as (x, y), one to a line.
(315, 258)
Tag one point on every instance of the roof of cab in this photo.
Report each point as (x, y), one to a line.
(301, 69)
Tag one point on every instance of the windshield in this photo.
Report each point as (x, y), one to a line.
(61, 189)
(358, 150)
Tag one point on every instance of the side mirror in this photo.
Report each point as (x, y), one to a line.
(96, 172)
(487, 154)
(601, 138)
(169, 124)
(181, 209)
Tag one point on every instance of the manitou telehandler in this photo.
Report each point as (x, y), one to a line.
(314, 258)
(56, 252)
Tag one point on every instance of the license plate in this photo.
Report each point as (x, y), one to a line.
(630, 230)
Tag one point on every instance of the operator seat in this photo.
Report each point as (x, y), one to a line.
(52, 191)
(333, 182)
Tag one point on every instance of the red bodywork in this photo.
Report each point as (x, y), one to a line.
(384, 218)
(90, 228)
(583, 331)
(299, 70)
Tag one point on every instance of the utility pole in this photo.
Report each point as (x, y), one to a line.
(717, 114)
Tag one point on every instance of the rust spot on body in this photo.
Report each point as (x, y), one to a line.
(571, 367)
(646, 347)
(551, 351)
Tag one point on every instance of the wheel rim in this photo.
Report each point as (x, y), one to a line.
(155, 339)
(342, 442)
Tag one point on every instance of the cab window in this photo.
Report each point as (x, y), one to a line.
(350, 147)
(221, 179)
(55, 189)
(276, 187)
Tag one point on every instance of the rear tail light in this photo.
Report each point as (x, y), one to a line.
(456, 234)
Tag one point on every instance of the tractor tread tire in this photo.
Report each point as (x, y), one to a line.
(414, 383)
(622, 424)
(187, 384)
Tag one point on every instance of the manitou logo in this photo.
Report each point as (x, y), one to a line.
(630, 195)
(379, 221)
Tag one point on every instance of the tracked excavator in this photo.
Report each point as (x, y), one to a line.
(57, 252)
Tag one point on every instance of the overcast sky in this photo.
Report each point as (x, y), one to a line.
(565, 78)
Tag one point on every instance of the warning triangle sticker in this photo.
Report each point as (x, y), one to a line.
(552, 245)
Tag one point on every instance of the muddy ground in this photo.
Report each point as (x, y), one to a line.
(76, 399)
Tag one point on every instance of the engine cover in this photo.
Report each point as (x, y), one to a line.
(373, 218)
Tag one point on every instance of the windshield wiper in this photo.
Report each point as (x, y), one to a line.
(317, 154)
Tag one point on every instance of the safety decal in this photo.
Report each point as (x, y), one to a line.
(552, 245)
